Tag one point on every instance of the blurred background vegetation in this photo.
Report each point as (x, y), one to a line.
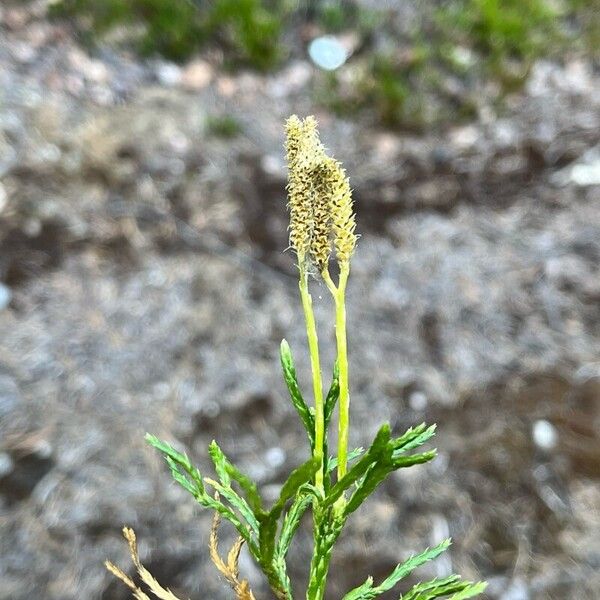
(408, 69)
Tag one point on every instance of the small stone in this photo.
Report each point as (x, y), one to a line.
(168, 74)
(386, 146)
(298, 75)
(24, 53)
(161, 390)
(327, 52)
(441, 193)
(273, 165)
(97, 72)
(74, 84)
(3, 198)
(102, 95)
(586, 175)
(196, 75)
(418, 401)
(43, 449)
(463, 56)
(32, 227)
(10, 396)
(578, 77)
(464, 137)
(6, 464)
(517, 590)
(49, 153)
(226, 86)
(293, 79)
(5, 296)
(544, 435)
(274, 457)
(15, 18)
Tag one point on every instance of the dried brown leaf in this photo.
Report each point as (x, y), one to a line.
(231, 569)
(160, 592)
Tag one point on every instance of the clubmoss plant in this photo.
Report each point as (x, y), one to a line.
(322, 234)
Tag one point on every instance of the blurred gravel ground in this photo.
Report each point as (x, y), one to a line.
(144, 288)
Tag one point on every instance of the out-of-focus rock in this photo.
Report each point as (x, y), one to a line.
(168, 74)
(196, 75)
(3, 198)
(544, 435)
(584, 173)
(327, 52)
(5, 296)
(6, 464)
(517, 590)
(10, 396)
(293, 79)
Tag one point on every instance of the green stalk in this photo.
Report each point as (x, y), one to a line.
(342, 357)
(313, 347)
(339, 297)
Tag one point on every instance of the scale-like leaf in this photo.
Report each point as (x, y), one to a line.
(438, 588)
(414, 459)
(289, 375)
(227, 471)
(220, 461)
(291, 523)
(472, 590)
(178, 462)
(362, 592)
(413, 438)
(425, 589)
(332, 395)
(183, 479)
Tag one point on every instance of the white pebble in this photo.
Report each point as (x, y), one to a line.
(6, 464)
(327, 52)
(168, 74)
(5, 296)
(418, 401)
(544, 434)
(274, 457)
(3, 197)
(586, 175)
